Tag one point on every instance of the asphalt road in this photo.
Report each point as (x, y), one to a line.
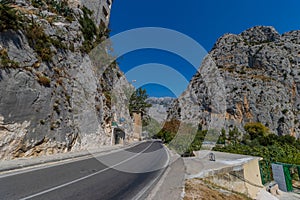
(126, 174)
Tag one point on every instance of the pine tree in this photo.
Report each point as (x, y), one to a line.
(138, 104)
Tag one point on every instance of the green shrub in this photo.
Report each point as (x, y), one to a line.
(39, 41)
(197, 142)
(37, 3)
(88, 29)
(9, 17)
(271, 147)
(287, 139)
(169, 130)
(88, 26)
(58, 44)
(92, 34)
(256, 129)
(234, 135)
(5, 62)
(278, 152)
(59, 7)
(222, 137)
(284, 111)
(180, 137)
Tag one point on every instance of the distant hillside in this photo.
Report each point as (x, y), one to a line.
(159, 108)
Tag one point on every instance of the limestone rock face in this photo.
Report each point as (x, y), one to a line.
(158, 110)
(101, 8)
(250, 77)
(58, 103)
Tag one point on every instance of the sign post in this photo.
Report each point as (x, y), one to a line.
(279, 177)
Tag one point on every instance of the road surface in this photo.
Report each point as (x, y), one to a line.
(126, 174)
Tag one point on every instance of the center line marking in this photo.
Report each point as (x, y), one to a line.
(85, 177)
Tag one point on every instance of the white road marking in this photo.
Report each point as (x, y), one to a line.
(85, 177)
(142, 192)
(59, 162)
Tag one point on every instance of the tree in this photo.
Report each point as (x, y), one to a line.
(256, 129)
(234, 135)
(169, 130)
(153, 127)
(222, 137)
(138, 104)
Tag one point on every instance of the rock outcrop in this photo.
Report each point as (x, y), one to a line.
(55, 97)
(159, 108)
(250, 77)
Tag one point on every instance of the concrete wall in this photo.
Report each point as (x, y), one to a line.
(244, 179)
(252, 174)
(229, 181)
(235, 172)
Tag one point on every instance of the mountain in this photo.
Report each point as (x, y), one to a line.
(158, 110)
(56, 93)
(250, 77)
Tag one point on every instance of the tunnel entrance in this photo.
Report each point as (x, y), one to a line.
(119, 136)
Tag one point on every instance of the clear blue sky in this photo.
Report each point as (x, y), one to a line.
(204, 21)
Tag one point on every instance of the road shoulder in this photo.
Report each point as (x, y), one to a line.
(171, 184)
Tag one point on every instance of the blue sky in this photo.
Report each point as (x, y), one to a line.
(204, 21)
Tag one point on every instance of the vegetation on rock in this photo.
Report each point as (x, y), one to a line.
(10, 18)
(92, 34)
(57, 7)
(44, 80)
(39, 41)
(5, 61)
(255, 73)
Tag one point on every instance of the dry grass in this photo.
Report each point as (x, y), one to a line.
(196, 189)
(44, 80)
(24, 10)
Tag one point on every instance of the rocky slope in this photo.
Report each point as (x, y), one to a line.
(250, 77)
(158, 110)
(55, 96)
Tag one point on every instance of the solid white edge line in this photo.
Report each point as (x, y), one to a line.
(85, 177)
(142, 192)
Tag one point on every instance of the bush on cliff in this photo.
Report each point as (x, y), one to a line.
(9, 16)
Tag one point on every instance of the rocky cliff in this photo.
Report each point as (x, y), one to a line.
(250, 77)
(55, 96)
(159, 108)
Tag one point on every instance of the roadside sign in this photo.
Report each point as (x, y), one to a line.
(279, 177)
